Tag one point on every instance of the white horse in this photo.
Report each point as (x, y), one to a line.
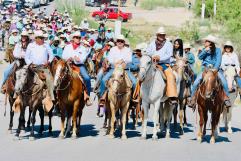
(229, 73)
(153, 93)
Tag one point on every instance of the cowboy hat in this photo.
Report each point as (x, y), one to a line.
(85, 42)
(211, 38)
(76, 34)
(110, 43)
(24, 33)
(120, 37)
(14, 31)
(38, 33)
(141, 46)
(187, 46)
(56, 38)
(228, 43)
(161, 30)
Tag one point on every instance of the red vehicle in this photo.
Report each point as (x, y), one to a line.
(111, 13)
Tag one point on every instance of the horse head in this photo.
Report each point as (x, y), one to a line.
(118, 78)
(21, 78)
(62, 70)
(210, 82)
(180, 66)
(145, 64)
(230, 72)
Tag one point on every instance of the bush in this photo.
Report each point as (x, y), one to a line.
(190, 32)
(153, 4)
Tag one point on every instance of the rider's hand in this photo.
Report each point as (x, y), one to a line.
(155, 58)
(76, 58)
(207, 48)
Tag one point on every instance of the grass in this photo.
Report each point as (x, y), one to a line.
(153, 4)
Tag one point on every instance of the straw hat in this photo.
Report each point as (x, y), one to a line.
(56, 38)
(14, 31)
(76, 34)
(24, 33)
(141, 46)
(38, 33)
(120, 37)
(187, 46)
(110, 43)
(161, 30)
(228, 43)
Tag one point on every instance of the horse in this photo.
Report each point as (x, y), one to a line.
(70, 96)
(209, 98)
(183, 85)
(118, 98)
(31, 90)
(230, 73)
(10, 83)
(152, 93)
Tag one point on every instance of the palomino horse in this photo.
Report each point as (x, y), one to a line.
(31, 90)
(209, 98)
(118, 98)
(184, 91)
(230, 73)
(152, 93)
(70, 95)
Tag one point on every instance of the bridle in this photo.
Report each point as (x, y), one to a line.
(61, 78)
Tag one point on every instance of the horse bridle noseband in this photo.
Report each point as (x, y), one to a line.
(61, 78)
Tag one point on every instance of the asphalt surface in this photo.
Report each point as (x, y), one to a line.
(93, 145)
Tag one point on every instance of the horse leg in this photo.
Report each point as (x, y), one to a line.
(228, 119)
(33, 120)
(155, 119)
(11, 120)
(169, 110)
(175, 111)
(181, 117)
(29, 118)
(123, 120)
(21, 126)
(79, 121)
(145, 118)
(50, 114)
(61, 135)
(74, 115)
(205, 116)
(138, 109)
(201, 121)
(133, 115)
(41, 115)
(213, 123)
(184, 110)
(113, 112)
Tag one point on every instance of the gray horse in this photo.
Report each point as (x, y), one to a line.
(153, 93)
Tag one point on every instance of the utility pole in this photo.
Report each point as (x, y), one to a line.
(215, 7)
(203, 9)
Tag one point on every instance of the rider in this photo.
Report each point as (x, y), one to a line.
(40, 54)
(210, 55)
(118, 54)
(18, 53)
(190, 58)
(57, 51)
(78, 53)
(231, 58)
(161, 51)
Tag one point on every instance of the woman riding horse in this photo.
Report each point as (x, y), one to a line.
(210, 55)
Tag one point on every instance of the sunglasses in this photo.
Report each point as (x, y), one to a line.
(120, 41)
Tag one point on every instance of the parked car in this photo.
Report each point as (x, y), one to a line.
(111, 13)
(32, 3)
(98, 3)
(19, 4)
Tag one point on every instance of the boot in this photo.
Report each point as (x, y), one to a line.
(226, 100)
(87, 99)
(103, 99)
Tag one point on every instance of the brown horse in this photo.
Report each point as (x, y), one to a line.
(209, 98)
(70, 95)
(118, 98)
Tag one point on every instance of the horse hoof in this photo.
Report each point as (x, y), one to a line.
(31, 138)
(212, 141)
(167, 136)
(154, 138)
(51, 133)
(181, 132)
(123, 137)
(199, 139)
(230, 131)
(73, 137)
(111, 136)
(10, 131)
(61, 136)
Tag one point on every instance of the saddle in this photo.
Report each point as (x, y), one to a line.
(161, 69)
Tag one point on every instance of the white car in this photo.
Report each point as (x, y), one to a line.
(44, 2)
(36, 3)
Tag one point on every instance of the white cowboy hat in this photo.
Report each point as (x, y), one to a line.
(14, 31)
(85, 19)
(56, 38)
(111, 44)
(141, 46)
(85, 42)
(38, 33)
(120, 37)
(211, 38)
(46, 35)
(24, 33)
(161, 30)
(76, 34)
(75, 27)
(228, 43)
(187, 46)
(110, 29)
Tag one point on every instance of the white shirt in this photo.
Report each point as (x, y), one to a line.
(230, 59)
(116, 54)
(84, 25)
(38, 54)
(18, 51)
(81, 52)
(165, 53)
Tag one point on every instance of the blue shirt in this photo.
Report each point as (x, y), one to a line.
(134, 65)
(190, 58)
(57, 51)
(214, 59)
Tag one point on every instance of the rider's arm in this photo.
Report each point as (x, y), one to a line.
(134, 66)
(218, 61)
(191, 58)
(203, 54)
(237, 64)
(28, 55)
(167, 54)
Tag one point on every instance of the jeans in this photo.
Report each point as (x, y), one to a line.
(199, 79)
(86, 77)
(107, 76)
(7, 73)
(99, 77)
(238, 81)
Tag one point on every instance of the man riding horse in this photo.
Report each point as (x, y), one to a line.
(161, 51)
(210, 55)
(39, 54)
(118, 55)
(77, 53)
